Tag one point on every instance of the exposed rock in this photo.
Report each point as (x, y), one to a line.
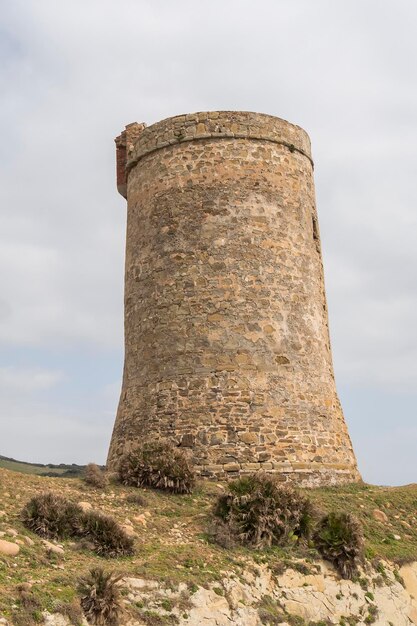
(409, 575)
(129, 530)
(321, 597)
(258, 597)
(28, 541)
(380, 516)
(85, 506)
(57, 619)
(52, 547)
(8, 548)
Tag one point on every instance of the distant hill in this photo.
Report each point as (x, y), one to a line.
(62, 470)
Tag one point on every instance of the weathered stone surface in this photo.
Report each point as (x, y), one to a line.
(231, 467)
(413, 614)
(56, 619)
(409, 575)
(227, 345)
(129, 530)
(248, 437)
(52, 547)
(380, 516)
(8, 548)
(85, 506)
(320, 597)
(28, 541)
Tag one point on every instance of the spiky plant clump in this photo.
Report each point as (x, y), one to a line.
(158, 465)
(107, 536)
(100, 597)
(52, 516)
(94, 476)
(339, 539)
(261, 512)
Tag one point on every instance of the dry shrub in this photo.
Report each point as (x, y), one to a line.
(271, 613)
(29, 611)
(100, 597)
(137, 498)
(52, 516)
(158, 465)
(72, 610)
(260, 512)
(222, 534)
(106, 534)
(94, 476)
(152, 618)
(339, 539)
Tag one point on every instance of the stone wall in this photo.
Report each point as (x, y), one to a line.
(227, 348)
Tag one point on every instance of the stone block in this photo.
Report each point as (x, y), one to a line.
(231, 467)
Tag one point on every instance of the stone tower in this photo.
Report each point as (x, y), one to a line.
(227, 349)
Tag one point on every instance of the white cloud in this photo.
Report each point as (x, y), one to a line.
(15, 379)
(44, 433)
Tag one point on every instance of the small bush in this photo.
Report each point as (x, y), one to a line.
(28, 612)
(136, 498)
(270, 612)
(72, 610)
(52, 516)
(339, 539)
(158, 465)
(94, 476)
(261, 512)
(100, 597)
(106, 534)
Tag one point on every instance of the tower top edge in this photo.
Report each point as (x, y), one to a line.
(233, 115)
(141, 139)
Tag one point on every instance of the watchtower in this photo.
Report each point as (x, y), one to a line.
(227, 349)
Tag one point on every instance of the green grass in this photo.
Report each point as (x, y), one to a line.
(398, 503)
(40, 469)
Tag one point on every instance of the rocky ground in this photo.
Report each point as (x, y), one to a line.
(178, 576)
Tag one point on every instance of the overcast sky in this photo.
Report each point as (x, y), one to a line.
(74, 73)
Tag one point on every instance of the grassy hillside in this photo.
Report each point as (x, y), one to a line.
(171, 541)
(40, 469)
